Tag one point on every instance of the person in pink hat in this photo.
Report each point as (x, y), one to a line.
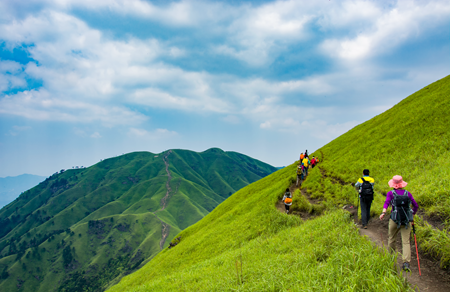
(401, 216)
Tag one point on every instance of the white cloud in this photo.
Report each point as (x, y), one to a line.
(175, 13)
(388, 30)
(96, 135)
(155, 134)
(88, 77)
(354, 15)
(266, 125)
(259, 34)
(41, 105)
(11, 75)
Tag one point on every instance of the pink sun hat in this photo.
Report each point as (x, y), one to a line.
(397, 182)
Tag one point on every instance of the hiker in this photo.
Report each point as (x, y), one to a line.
(401, 216)
(305, 163)
(287, 200)
(301, 157)
(306, 153)
(313, 162)
(364, 186)
(299, 174)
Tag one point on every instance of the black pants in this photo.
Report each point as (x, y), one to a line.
(287, 207)
(365, 210)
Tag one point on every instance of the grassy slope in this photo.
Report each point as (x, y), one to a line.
(245, 244)
(117, 192)
(277, 253)
(412, 139)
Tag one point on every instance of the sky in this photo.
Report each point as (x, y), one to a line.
(83, 80)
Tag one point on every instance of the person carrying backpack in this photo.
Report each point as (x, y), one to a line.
(313, 162)
(305, 163)
(364, 186)
(401, 216)
(299, 174)
(287, 200)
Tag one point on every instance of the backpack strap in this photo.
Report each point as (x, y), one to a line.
(394, 194)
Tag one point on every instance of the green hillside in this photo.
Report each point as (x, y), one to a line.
(245, 244)
(412, 139)
(84, 227)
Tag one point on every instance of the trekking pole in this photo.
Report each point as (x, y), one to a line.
(357, 207)
(417, 252)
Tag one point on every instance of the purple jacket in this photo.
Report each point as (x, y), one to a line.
(390, 196)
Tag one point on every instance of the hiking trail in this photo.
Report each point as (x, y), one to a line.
(165, 228)
(433, 277)
(166, 197)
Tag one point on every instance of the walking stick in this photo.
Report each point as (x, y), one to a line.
(357, 207)
(417, 252)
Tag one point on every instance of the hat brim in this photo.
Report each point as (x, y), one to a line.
(397, 186)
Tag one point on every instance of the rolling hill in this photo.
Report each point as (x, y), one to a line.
(245, 244)
(84, 227)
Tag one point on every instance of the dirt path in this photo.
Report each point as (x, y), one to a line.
(433, 278)
(166, 197)
(165, 228)
(165, 232)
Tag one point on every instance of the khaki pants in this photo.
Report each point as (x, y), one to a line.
(406, 236)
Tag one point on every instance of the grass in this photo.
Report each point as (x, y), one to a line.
(412, 139)
(245, 244)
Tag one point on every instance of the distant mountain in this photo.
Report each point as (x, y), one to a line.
(12, 186)
(81, 228)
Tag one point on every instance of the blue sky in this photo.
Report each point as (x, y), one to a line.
(86, 80)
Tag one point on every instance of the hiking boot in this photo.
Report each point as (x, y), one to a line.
(365, 226)
(406, 267)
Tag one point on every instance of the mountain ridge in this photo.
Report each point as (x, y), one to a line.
(123, 208)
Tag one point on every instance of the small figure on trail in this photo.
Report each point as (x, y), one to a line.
(364, 186)
(301, 157)
(305, 163)
(401, 216)
(306, 153)
(287, 200)
(313, 162)
(299, 174)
